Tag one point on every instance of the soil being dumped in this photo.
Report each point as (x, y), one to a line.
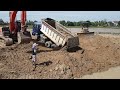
(96, 54)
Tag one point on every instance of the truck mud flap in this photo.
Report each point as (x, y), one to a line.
(72, 42)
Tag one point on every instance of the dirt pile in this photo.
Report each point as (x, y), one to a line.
(97, 54)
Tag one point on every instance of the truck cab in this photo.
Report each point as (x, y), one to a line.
(36, 28)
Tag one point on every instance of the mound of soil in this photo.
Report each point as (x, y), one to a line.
(97, 54)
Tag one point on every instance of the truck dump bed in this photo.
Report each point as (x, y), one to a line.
(59, 34)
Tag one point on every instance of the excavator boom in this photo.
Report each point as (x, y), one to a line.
(12, 15)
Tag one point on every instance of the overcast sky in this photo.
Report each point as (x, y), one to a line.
(67, 15)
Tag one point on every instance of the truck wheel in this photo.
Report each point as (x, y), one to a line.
(53, 46)
(48, 44)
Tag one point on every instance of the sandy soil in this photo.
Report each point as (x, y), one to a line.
(98, 54)
(112, 73)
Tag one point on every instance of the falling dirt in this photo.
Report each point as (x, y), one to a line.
(96, 54)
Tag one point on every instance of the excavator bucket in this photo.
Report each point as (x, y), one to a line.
(24, 37)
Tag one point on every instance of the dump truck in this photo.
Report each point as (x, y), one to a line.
(53, 34)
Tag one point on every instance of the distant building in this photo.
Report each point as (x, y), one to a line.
(115, 23)
(112, 23)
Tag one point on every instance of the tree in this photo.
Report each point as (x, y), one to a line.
(95, 23)
(103, 23)
(30, 22)
(75, 23)
(79, 23)
(89, 23)
(63, 22)
(69, 23)
(86, 24)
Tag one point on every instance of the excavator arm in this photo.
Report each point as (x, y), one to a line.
(12, 15)
(17, 31)
(23, 19)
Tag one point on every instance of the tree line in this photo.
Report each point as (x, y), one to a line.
(29, 22)
(102, 23)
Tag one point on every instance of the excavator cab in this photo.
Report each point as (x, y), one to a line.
(18, 26)
(6, 31)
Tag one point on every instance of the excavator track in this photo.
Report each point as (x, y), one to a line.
(22, 38)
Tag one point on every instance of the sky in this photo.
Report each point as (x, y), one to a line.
(67, 15)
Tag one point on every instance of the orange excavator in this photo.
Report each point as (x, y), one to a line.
(17, 30)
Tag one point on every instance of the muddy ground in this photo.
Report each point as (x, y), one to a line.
(98, 53)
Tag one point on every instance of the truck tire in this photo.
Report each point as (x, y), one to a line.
(53, 46)
(48, 44)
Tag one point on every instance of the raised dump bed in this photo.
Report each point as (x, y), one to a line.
(59, 34)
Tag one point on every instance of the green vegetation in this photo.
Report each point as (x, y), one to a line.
(102, 23)
(79, 24)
